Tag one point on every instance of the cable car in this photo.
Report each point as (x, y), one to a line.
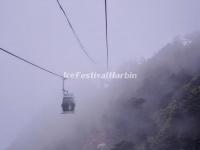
(68, 103)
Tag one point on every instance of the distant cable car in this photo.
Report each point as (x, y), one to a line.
(68, 104)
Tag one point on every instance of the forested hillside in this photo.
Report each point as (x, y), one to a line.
(161, 111)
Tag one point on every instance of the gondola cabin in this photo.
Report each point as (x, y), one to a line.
(68, 104)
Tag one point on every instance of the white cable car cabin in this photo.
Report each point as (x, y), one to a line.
(68, 104)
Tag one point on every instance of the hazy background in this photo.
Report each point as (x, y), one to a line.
(37, 31)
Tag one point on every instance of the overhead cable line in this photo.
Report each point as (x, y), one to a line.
(107, 46)
(30, 63)
(74, 32)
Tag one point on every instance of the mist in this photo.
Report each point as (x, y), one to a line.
(30, 99)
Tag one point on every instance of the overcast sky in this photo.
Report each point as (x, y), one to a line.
(37, 30)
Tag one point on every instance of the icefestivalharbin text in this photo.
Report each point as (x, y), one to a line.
(96, 75)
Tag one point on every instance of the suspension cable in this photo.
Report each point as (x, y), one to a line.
(74, 32)
(107, 46)
(30, 63)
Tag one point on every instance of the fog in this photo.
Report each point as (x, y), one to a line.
(36, 30)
